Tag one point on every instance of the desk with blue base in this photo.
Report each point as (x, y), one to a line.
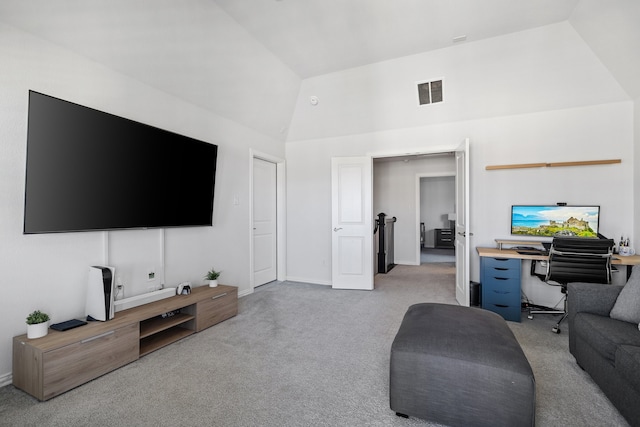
(501, 276)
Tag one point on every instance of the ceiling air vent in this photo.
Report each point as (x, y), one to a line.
(430, 92)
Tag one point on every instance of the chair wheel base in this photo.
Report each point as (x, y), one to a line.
(555, 329)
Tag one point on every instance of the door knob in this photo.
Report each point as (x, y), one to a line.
(337, 228)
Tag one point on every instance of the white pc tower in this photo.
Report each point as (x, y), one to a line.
(100, 293)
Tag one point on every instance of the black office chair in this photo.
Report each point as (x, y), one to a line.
(574, 259)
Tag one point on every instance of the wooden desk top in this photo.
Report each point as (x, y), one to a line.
(510, 253)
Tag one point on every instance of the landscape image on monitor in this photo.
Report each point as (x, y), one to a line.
(549, 221)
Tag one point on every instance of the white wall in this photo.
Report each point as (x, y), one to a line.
(597, 132)
(437, 200)
(542, 69)
(49, 272)
(636, 173)
(523, 98)
(191, 49)
(611, 31)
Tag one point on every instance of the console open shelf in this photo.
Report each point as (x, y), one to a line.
(160, 331)
(163, 338)
(158, 324)
(48, 366)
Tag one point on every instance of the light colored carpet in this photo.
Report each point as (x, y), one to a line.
(301, 355)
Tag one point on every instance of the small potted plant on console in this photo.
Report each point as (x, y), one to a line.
(37, 324)
(212, 276)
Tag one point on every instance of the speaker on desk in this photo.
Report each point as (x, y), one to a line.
(100, 293)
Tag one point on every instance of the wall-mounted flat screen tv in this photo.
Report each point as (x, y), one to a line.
(552, 220)
(91, 170)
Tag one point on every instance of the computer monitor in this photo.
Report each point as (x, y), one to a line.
(554, 220)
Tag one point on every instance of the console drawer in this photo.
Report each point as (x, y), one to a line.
(508, 312)
(500, 278)
(216, 308)
(502, 263)
(502, 284)
(75, 364)
(496, 297)
(501, 273)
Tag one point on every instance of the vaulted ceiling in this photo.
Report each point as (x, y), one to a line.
(316, 37)
(210, 51)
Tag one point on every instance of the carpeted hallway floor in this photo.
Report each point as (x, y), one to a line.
(301, 355)
(428, 255)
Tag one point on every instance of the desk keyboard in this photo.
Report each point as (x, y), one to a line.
(534, 252)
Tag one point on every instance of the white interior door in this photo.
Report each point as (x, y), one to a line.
(264, 222)
(352, 223)
(462, 224)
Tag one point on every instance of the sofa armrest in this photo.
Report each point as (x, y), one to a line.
(592, 298)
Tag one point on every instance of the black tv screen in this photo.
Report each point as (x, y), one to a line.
(91, 170)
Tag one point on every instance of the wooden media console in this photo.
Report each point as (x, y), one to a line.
(48, 366)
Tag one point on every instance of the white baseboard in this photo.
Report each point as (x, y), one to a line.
(307, 280)
(407, 263)
(6, 379)
(245, 293)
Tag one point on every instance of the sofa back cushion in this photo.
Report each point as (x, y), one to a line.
(627, 306)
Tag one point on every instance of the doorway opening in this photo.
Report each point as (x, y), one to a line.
(357, 197)
(436, 204)
(419, 190)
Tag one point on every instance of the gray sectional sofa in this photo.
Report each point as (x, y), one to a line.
(604, 337)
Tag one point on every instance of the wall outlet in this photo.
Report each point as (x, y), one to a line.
(119, 288)
(151, 274)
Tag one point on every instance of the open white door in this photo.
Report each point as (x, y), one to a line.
(351, 219)
(462, 224)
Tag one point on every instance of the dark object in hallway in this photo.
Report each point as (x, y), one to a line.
(384, 226)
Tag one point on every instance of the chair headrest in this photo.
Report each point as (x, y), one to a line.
(583, 245)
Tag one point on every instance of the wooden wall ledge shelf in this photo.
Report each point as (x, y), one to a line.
(553, 165)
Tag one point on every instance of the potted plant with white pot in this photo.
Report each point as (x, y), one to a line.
(212, 277)
(37, 324)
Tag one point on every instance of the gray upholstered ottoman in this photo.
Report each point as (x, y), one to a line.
(460, 366)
